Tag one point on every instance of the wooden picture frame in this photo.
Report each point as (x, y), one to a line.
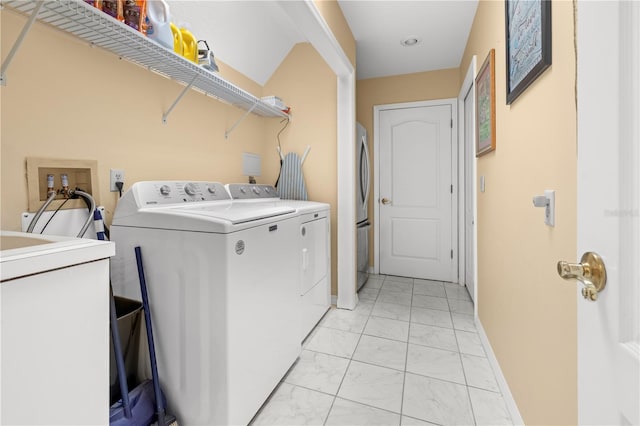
(528, 43)
(486, 106)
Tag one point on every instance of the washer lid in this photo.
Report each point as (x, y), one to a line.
(236, 213)
(192, 206)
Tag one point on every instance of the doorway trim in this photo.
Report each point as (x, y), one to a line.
(467, 85)
(377, 109)
(315, 29)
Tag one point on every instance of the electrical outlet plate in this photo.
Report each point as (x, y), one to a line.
(115, 175)
(81, 173)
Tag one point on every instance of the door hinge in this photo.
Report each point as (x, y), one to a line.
(452, 123)
(452, 254)
(452, 189)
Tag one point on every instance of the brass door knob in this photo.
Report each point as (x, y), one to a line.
(590, 271)
(385, 201)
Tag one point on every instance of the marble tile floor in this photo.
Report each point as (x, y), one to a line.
(408, 354)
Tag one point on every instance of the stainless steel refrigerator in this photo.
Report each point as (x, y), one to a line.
(362, 200)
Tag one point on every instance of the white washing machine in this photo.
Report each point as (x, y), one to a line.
(223, 293)
(314, 245)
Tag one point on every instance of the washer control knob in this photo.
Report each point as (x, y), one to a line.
(243, 189)
(255, 190)
(165, 190)
(267, 190)
(212, 190)
(190, 189)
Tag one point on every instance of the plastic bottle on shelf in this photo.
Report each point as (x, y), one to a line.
(95, 3)
(178, 45)
(158, 23)
(113, 8)
(134, 12)
(190, 45)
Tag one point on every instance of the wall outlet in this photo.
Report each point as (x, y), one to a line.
(117, 175)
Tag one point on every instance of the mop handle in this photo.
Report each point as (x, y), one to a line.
(117, 350)
(152, 352)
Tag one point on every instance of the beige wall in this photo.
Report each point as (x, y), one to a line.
(310, 81)
(333, 16)
(65, 99)
(423, 86)
(313, 124)
(527, 311)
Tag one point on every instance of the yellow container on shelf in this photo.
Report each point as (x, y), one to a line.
(178, 45)
(190, 45)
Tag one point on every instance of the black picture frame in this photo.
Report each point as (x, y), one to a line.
(528, 43)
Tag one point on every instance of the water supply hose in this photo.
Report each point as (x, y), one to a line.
(92, 209)
(32, 224)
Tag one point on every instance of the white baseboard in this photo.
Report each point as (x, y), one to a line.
(516, 418)
(334, 300)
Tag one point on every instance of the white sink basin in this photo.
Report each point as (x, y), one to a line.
(10, 242)
(23, 254)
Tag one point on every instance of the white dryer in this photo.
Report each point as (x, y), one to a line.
(314, 248)
(223, 291)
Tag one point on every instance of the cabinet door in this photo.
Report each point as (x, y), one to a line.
(55, 347)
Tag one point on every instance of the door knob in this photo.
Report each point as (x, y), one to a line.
(385, 201)
(590, 271)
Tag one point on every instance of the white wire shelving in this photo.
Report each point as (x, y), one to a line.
(97, 28)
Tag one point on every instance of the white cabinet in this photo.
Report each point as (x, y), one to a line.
(55, 330)
(315, 269)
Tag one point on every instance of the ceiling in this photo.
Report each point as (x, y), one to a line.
(255, 36)
(379, 26)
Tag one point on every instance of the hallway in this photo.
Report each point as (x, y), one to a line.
(408, 354)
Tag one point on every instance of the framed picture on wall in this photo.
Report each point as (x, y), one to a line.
(486, 106)
(528, 43)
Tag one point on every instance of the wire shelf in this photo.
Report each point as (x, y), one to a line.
(96, 27)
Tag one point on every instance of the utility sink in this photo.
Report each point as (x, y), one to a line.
(9, 242)
(23, 254)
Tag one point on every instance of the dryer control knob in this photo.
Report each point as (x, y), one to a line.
(255, 190)
(190, 189)
(243, 190)
(212, 190)
(165, 189)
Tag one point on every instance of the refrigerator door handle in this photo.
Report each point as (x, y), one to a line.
(360, 169)
(365, 224)
(365, 166)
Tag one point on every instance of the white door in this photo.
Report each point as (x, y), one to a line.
(469, 171)
(415, 191)
(608, 192)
